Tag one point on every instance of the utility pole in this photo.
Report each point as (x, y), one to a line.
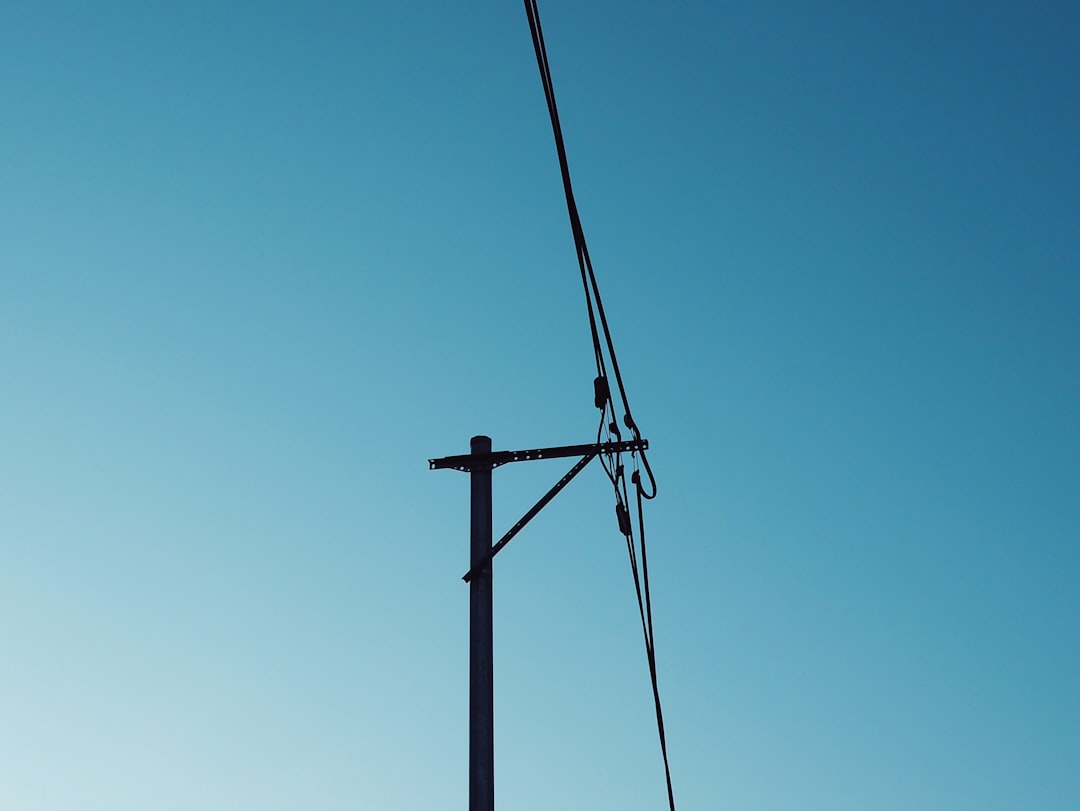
(479, 464)
(481, 648)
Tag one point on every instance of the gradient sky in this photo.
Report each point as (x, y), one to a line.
(260, 261)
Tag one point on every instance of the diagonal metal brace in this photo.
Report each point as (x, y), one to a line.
(543, 502)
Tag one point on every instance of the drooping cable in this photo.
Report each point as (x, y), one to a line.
(612, 463)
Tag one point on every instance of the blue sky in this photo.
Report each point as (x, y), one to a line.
(259, 262)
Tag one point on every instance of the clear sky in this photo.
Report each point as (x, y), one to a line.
(260, 261)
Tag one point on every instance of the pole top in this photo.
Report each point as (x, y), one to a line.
(480, 444)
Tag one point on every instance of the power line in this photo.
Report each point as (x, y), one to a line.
(611, 461)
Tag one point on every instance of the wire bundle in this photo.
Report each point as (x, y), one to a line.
(609, 425)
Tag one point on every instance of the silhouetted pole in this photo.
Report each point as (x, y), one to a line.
(479, 464)
(481, 690)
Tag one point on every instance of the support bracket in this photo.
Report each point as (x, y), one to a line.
(514, 530)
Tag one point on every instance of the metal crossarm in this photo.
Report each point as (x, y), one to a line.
(480, 461)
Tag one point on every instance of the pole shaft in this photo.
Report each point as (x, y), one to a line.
(481, 691)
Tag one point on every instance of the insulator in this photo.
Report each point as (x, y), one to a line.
(601, 392)
(624, 519)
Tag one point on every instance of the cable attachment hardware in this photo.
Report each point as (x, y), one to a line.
(624, 519)
(601, 392)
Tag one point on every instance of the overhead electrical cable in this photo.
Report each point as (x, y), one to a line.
(612, 462)
(593, 299)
